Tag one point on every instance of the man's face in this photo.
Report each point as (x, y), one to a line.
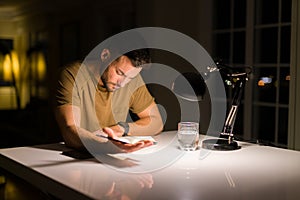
(119, 73)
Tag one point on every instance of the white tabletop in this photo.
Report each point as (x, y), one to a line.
(160, 172)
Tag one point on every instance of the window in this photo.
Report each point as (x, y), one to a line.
(247, 32)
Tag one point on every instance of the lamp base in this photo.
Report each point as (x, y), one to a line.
(220, 144)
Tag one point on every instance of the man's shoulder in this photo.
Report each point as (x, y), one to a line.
(76, 72)
(137, 81)
(72, 67)
(76, 69)
(133, 85)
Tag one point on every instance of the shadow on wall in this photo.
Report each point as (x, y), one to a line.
(171, 111)
(169, 105)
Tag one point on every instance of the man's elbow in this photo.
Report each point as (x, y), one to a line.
(73, 144)
(71, 139)
(160, 127)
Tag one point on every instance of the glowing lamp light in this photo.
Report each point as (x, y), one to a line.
(11, 67)
(41, 66)
(261, 83)
(264, 80)
(7, 76)
(15, 64)
(288, 78)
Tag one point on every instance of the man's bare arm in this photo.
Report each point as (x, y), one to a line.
(149, 123)
(68, 118)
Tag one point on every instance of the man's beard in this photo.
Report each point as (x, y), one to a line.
(106, 84)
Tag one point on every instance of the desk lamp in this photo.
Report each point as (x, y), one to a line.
(236, 79)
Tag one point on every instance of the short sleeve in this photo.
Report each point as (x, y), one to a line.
(64, 92)
(140, 99)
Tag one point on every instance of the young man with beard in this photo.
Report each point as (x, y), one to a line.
(94, 99)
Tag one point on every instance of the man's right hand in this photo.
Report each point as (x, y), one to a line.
(127, 147)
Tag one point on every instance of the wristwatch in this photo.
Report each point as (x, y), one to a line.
(125, 126)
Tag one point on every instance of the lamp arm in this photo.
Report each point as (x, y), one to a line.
(231, 117)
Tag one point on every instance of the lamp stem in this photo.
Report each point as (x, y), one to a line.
(231, 117)
(226, 140)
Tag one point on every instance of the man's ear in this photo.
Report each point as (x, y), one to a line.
(105, 54)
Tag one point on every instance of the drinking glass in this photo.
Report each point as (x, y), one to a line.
(188, 135)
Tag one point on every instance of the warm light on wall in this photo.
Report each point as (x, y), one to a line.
(7, 76)
(41, 66)
(10, 78)
(11, 68)
(37, 72)
(15, 64)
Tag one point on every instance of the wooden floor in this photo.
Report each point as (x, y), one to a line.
(13, 188)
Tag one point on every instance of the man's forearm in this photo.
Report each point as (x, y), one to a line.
(146, 126)
(74, 137)
(68, 117)
(150, 122)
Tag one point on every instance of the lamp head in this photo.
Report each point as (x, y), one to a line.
(189, 86)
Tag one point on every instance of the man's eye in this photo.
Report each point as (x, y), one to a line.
(119, 73)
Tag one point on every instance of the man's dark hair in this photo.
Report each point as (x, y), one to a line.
(140, 54)
(139, 57)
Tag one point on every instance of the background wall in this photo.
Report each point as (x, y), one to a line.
(68, 30)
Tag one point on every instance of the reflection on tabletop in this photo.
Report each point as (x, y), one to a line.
(162, 171)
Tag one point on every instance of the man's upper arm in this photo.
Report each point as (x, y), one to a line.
(67, 115)
(149, 111)
(65, 86)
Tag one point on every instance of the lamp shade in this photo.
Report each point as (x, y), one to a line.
(190, 86)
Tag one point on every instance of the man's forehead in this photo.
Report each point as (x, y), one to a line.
(131, 73)
(125, 65)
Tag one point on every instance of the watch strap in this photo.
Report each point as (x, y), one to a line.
(126, 128)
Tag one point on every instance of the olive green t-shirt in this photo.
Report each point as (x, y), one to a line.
(78, 86)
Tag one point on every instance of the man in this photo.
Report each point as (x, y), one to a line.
(93, 100)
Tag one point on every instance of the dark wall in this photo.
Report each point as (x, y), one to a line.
(71, 30)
